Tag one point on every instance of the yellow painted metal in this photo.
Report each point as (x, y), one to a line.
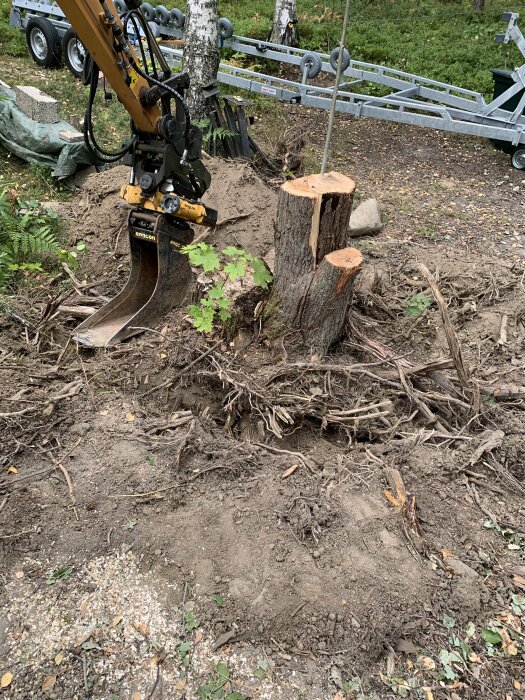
(89, 22)
(189, 211)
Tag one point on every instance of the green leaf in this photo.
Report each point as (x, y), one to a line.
(471, 629)
(190, 622)
(217, 291)
(60, 574)
(223, 672)
(417, 304)
(235, 269)
(491, 636)
(236, 696)
(261, 276)
(202, 255)
(224, 303)
(448, 622)
(218, 600)
(184, 648)
(224, 315)
(450, 674)
(231, 251)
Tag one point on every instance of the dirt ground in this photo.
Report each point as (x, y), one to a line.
(229, 530)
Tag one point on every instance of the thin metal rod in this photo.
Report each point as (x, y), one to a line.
(336, 88)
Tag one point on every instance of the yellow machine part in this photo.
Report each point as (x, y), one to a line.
(189, 211)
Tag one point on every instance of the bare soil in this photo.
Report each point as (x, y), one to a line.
(243, 496)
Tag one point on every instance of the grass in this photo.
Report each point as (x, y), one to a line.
(440, 39)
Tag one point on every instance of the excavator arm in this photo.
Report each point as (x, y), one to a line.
(167, 177)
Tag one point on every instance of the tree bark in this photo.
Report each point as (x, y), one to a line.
(201, 53)
(479, 5)
(314, 270)
(283, 27)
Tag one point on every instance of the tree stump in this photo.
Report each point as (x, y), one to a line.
(314, 270)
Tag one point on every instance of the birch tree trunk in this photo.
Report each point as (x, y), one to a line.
(201, 53)
(479, 5)
(283, 27)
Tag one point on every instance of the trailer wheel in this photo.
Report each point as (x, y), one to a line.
(225, 28)
(43, 42)
(312, 63)
(518, 159)
(120, 6)
(178, 18)
(74, 53)
(334, 58)
(148, 11)
(162, 15)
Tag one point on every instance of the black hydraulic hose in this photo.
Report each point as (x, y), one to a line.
(89, 137)
(187, 118)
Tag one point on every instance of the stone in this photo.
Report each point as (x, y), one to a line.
(36, 104)
(71, 136)
(365, 220)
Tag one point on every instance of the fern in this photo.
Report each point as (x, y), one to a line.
(28, 239)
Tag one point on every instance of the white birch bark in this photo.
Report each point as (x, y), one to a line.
(283, 31)
(201, 52)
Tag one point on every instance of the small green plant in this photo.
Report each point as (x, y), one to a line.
(217, 688)
(211, 135)
(417, 304)
(190, 621)
(60, 574)
(150, 459)
(218, 600)
(235, 264)
(514, 541)
(28, 239)
(130, 524)
(264, 668)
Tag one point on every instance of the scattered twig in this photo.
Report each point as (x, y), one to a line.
(297, 455)
(452, 340)
(17, 534)
(503, 331)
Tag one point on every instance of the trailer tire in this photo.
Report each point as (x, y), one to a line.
(43, 42)
(74, 53)
(178, 18)
(148, 11)
(518, 158)
(120, 6)
(225, 28)
(162, 15)
(313, 64)
(334, 58)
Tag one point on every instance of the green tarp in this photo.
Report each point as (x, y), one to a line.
(39, 143)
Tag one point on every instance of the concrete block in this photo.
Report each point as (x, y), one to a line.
(36, 104)
(71, 136)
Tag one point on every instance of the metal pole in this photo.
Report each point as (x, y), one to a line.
(336, 88)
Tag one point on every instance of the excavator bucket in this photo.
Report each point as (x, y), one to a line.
(159, 279)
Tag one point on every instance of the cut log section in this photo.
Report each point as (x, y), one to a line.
(314, 270)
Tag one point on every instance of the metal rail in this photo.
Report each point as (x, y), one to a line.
(412, 99)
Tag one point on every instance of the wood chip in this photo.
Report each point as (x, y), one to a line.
(289, 471)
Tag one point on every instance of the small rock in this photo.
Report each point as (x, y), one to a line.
(217, 579)
(299, 645)
(331, 616)
(316, 554)
(355, 624)
(516, 189)
(158, 552)
(365, 220)
(321, 645)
